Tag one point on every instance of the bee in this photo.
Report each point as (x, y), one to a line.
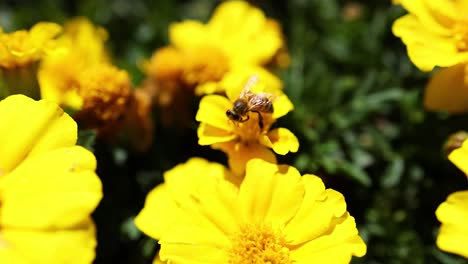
(251, 102)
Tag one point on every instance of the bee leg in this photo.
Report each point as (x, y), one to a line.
(260, 119)
(244, 120)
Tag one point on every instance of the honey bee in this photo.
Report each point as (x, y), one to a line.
(251, 102)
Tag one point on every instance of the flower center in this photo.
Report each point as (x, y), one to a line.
(204, 64)
(250, 130)
(258, 244)
(460, 34)
(105, 91)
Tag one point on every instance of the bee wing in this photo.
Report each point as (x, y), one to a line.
(269, 96)
(260, 100)
(248, 85)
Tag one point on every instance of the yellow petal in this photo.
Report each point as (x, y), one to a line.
(9, 256)
(208, 135)
(269, 194)
(194, 228)
(447, 90)
(208, 88)
(232, 17)
(158, 214)
(287, 194)
(234, 81)
(157, 260)
(453, 233)
(217, 202)
(256, 191)
(51, 86)
(458, 8)
(29, 128)
(459, 157)
(73, 246)
(336, 246)
(192, 254)
(196, 174)
(192, 173)
(426, 57)
(445, 11)
(282, 141)
(260, 47)
(244, 33)
(43, 32)
(281, 106)
(317, 211)
(427, 48)
(82, 45)
(429, 17)
(188, 34)
(62, 179)
(212, 111)
(239, 154)
(166, 203)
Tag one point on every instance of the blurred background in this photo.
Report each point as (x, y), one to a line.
(358, 116)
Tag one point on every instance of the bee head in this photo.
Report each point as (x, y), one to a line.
(233, 116)
(240, 106)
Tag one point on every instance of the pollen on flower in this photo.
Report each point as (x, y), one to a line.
(105, 91)
(250, 131)
(258, 244)
(460, 34)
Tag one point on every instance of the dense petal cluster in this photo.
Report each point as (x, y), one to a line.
(83, 47)
(23, 47)
(81, 77)
(243, 141)
(105, 91)
(48, 187)
(273, 216)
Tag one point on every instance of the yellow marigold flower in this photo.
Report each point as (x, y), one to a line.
(435, 32)
(105, 91)
(23, 47)
(453, 234)
(237, 35)
(273, 216)
(41, 165)
(237, 29)
(83, 47)
(243, 141)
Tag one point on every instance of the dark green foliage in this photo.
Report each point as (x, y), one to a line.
(358, 115)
